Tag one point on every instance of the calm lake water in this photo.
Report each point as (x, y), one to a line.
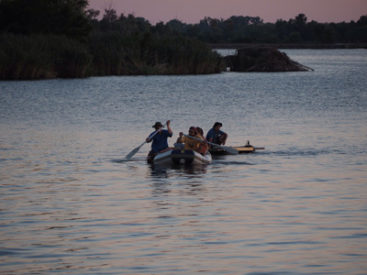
(70, 204)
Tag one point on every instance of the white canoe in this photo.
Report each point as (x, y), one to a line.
(187, 157)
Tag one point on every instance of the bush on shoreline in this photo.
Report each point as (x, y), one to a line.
(41, 56)
(61, 39)
(49, 56)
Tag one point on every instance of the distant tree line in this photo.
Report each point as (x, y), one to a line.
(246, 29)
(62, 38)
(131, 45)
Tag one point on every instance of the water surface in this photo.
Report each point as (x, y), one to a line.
(70, 204)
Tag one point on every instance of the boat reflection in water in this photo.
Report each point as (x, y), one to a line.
(71, 203)
(172, 169)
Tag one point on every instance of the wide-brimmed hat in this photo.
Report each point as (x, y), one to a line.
(157, 125)
(217, 124)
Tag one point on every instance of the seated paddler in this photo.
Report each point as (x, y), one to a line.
(204, 146)
(215, 135)
(159, 138)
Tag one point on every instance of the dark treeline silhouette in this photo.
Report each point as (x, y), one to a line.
(56, 17)
(44, 39)
(131, 45)
(246, 29)
(62, 38)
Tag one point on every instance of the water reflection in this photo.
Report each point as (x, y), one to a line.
(177, 170)
(182, 179)
(71, 204)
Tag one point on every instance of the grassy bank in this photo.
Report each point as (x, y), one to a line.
(41, 56)
(150, 54)
(63, 39)
(49, 56)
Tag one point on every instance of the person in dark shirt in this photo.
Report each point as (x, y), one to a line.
(215, 135)
(159, 139)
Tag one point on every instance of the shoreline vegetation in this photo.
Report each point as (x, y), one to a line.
(321, 46)
(45, 39)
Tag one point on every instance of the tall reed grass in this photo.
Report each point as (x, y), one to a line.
(105, 53)
(151, 54)
(42, 56)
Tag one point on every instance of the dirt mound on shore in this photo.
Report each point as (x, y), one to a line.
(262, 60)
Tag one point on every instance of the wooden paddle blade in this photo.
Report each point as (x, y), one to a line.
(133, 152)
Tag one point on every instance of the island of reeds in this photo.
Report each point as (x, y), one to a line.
(64, 39)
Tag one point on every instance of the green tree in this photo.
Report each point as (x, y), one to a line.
(60, 17)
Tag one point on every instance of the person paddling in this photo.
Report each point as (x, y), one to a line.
(215, 135)
(159, 139)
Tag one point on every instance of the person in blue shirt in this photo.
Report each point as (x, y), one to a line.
(215, 135)
(159, 138)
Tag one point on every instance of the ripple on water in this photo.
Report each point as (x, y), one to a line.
(71, 203)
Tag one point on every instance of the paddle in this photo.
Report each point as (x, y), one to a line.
(135, 150)
(228, 149)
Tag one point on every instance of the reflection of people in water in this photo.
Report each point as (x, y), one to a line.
(159, 175)
(215, 135)
(161, 183)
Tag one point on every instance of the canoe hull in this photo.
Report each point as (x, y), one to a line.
(241, 150)
(178, 157)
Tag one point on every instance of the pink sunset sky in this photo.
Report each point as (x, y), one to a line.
(192, 11)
